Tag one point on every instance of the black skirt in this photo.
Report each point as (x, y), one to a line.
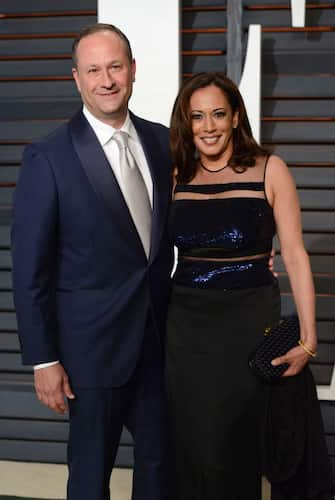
(215, 401)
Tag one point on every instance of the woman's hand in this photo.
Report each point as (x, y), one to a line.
(296, 357)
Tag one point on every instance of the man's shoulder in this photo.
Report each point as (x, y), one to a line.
(148, 124)
(158, 132)
(55, 140)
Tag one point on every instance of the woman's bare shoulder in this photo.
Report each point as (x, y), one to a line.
(278, 174)
(276, 162)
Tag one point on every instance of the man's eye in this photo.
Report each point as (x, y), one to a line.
(116, 66)
(92, 70)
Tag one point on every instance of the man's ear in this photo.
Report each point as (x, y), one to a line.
(133, 70)
(76, 78)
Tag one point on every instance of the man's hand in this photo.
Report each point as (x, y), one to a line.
(271, 262)
(52, 386)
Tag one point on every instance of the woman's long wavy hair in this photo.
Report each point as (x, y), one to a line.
(184, 154)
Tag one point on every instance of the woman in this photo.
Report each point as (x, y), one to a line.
(230, 198)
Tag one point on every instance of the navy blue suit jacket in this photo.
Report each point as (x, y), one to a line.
(83, 287)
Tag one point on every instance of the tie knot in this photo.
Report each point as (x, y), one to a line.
(121, 138)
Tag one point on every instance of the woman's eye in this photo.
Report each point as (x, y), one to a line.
(196, 117)
(220, 114)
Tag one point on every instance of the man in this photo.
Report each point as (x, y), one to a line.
(91, 265)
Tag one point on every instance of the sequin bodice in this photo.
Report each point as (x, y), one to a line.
(222, 227)
(208, 229)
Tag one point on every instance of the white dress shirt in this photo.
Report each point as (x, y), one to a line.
(104, 133)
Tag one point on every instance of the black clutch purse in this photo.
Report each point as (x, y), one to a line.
(277, 341)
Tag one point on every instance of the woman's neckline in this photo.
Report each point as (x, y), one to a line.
(218, 183)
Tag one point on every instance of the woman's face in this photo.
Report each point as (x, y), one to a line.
(212, 122)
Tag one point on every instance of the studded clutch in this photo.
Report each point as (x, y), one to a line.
(277, 341)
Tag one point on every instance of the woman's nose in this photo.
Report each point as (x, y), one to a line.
(209, 124)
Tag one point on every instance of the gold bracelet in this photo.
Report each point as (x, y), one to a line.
(307, 349)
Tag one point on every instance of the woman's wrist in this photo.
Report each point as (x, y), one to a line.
(309, 348)
(309, 338)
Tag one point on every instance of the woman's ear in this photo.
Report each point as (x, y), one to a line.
(235, 119)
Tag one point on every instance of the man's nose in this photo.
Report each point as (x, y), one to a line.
(107, 79)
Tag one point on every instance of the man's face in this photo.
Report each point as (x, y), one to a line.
(104, 76)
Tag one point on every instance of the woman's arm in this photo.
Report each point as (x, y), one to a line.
(282, 195)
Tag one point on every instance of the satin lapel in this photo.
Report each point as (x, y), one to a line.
(157, 164)
(101, 177)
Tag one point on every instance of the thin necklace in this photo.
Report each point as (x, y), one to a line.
(213, 171)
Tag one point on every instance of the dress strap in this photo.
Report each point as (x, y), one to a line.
(264, 174)
(174, 181)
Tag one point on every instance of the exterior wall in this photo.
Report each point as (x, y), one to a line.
(152, 27)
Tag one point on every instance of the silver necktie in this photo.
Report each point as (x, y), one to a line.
(134, 190)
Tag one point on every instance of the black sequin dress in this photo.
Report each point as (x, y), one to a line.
(218, 312)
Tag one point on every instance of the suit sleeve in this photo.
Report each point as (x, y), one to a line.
(34, 253)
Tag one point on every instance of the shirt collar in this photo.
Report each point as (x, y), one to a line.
(104, 132)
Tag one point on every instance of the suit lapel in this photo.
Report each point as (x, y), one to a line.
(101, 177)
(158, 170)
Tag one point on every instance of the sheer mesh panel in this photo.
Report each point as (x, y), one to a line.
(238, 193)
(226, 259)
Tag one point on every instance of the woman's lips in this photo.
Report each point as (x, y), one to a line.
(210, 140)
